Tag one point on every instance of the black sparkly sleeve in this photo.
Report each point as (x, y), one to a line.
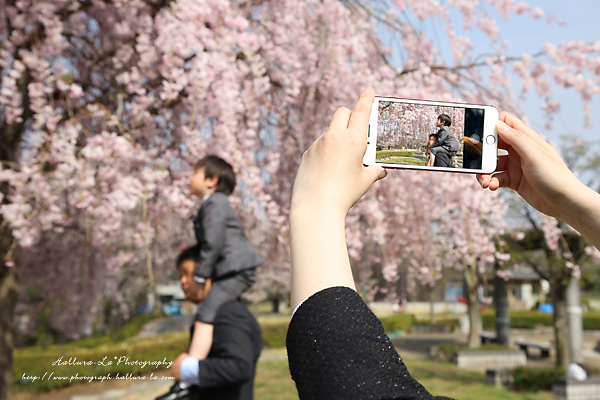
(337, 349)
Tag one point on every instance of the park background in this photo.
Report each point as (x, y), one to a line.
(106, 105)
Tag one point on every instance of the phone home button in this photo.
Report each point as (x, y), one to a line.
(490, 139)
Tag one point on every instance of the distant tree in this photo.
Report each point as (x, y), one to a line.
(555, 252)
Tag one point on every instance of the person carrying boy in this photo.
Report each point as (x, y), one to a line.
(225, 254)
(227, 373)
(430, 156)
(445, 146)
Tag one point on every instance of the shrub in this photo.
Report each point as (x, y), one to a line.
(527, 379)
(488, 319)
(519, 319)
(274, 334)
(398, 322)
(451, 322)
(531, 319)
(591, 320)
(446, 351)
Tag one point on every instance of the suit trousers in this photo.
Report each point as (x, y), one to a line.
(223, 291)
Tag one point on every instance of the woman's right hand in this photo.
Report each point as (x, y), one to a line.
(533, 169)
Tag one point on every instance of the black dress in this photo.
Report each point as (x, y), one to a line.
(337, 349)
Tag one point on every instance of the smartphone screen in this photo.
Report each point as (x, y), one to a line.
(433, 136)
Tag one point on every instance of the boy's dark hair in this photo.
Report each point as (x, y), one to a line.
(190, 253)
(216, 166)
(445, 119)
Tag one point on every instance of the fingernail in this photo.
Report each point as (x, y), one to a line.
(369, 89)
(481, 183)
(501, 127)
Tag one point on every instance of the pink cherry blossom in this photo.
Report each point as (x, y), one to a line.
(116, 101)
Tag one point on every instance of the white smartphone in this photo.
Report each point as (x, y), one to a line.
(432, 135)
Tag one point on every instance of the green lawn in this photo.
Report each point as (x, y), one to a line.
(274, 383)
(448, 380)
(50, 364)
(403, 161)
(273, 379)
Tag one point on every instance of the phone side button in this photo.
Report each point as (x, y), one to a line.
(490, 139)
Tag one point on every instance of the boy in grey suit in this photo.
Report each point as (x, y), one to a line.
(445, 145)
(225, 253)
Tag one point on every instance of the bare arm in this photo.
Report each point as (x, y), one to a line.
(337, 348)
(330, 180)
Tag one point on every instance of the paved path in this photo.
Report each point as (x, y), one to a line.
(173, 323)
(113, 390)
(136, 391)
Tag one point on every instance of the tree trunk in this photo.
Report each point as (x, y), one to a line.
(432, 306)
(10, 137)
(575, 321)
(471, 281)
(502, 315)
(9, 290)
(559, 291)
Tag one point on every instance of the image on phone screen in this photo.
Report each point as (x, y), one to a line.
(429, 135)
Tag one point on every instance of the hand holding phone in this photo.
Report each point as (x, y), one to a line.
(537, 173)
(534, 169)
(331, 175)
(434, 136)
(330, 179)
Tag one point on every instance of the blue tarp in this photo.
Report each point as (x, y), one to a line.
(547, 308)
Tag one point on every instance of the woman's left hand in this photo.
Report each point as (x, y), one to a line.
(331, 176)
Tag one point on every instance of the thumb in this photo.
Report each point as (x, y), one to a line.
(375, 173)
(523, 144)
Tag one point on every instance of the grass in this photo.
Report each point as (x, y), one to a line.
(445, 379)
(35, 368)
(403, 161)
(39, 362)
(274, 383)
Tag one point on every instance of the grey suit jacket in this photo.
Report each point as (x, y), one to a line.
(446, 140)
(224, 247)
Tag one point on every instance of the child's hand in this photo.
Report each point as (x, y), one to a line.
(532, 168)
(331, 176)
